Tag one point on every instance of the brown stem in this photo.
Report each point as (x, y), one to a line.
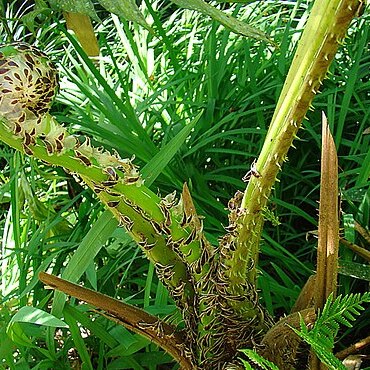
(364, 253)
(133, 318)
(363, 232)
(353, 349)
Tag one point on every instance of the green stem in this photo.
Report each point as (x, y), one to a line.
(130, 205)
(326, 27)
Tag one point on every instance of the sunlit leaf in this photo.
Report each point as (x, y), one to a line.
(75, 6)
(156, 165)
(33, 315)
(126, 9)
(228, 21)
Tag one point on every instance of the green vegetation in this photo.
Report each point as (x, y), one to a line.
(162, 127)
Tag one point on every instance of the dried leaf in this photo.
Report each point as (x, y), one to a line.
(328, 241)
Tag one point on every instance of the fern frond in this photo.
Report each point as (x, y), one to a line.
(322, 349)
(257, 359)
(341, 311)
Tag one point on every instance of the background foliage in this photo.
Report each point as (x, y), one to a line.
(134, 99)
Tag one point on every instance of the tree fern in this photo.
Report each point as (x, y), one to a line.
(341, 311)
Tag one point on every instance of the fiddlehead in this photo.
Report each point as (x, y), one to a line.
(28, 85)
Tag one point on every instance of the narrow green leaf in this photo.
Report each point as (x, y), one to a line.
(28, 19)
(85, 254)
(364, 171)
(349, 227)
(123, 350)
(33, 315)
(296, 210)
(78, 341)
(16, 332)
(6, 349)
(93, 326)
(228, 21)
(123, 110)
(17, 335)
(156, 165)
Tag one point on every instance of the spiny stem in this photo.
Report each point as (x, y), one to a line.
(324, 31)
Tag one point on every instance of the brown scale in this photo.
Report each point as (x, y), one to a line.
(49, 147)
(113, 203)
(27, 150)
(157, 227)
(111, 173)
(141, 212)
(112, 192)
(164, 272)
(166, 213)
(131, 179)
(110, 183)
(86, 161)
(145, 245)
(126, 222)
(58, 146)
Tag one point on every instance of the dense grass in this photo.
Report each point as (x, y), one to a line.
(143, 91)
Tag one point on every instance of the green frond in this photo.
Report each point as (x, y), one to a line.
(257, 359)
(341, 311)
(322, 345)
